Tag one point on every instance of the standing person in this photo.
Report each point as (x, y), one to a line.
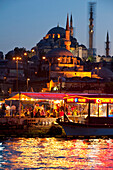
(13, 110)
(38, 113)
(3, 110)
(31, 113)
(8, 110)
(61, 114)
(42, 113)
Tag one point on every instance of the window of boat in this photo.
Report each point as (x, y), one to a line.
(110, 109)
(77, 109)
(98, 110)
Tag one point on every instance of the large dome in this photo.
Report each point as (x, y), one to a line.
(59, 52)
(57, 30)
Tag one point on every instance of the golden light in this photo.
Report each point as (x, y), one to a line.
(58, 35)
(32, 50)
(25, 53)
(5, 78)
(53, 35)
(28, 79)
(58, 59)
(43, 57)
(17, 58)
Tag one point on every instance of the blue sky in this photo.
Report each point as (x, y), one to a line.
(25, 22)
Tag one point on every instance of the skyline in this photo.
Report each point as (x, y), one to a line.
(25, 22)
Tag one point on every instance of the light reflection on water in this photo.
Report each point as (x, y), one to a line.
(53, 153)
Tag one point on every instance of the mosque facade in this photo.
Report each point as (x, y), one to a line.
(59, 37)
(62, 51)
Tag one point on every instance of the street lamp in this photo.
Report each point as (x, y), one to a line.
(28, 79)
(17, 59)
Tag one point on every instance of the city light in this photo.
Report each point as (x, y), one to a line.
(17, 59)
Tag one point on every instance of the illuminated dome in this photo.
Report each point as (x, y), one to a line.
(57, 30)
(59, 52)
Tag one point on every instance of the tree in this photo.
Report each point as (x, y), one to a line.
(91, 59)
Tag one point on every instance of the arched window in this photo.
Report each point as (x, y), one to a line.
(63, 60)
(53, 35)
(58, 35)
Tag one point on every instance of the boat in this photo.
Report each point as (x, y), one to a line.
(91, 125)
(89, 128)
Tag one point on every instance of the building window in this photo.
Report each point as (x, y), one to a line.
(53, 35)
(58, 35)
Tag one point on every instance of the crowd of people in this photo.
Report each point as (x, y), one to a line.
(36, 111)
(29, 111)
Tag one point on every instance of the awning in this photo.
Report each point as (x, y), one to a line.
(34, 96)
(21, 97)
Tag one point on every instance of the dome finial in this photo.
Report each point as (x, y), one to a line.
(58, 24)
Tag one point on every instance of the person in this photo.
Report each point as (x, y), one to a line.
(68, 113)
(61, 114)
(37, 113)
(31, 113)
(42, 113)
(8, 110)
(13, 110)
(3, 110)
(54, 113)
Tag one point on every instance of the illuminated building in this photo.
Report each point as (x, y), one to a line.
(59, 37)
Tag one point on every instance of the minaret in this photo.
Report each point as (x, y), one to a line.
(67, 38)
(107, 45)
(91, 28)
(71, 26)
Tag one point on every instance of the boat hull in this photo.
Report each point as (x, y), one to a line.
(75, 129)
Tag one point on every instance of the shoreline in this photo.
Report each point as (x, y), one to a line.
(54, 130)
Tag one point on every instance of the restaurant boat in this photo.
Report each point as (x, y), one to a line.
(98, 117)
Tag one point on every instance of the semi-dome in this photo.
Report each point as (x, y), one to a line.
(103, 72)
(57, 30)
(83, 46)
(59, 52)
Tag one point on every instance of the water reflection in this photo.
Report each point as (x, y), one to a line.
(52, 153)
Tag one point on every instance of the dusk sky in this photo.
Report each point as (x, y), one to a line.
(25, 22)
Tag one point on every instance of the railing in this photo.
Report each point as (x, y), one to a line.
(27, 121)
(77, 119)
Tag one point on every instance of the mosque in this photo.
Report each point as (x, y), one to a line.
(62, 51)
(58, 37)
(61, 54)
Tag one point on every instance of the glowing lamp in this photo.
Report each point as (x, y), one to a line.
(25, 53)
(43, 57)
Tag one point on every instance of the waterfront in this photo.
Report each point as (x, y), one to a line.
(56, 153)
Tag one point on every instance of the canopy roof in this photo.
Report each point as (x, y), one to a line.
(34, 96)
(21, 97)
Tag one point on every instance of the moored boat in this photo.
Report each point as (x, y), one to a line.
(91, 125)
(88, 129)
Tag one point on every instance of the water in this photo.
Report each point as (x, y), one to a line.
(53, 153)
